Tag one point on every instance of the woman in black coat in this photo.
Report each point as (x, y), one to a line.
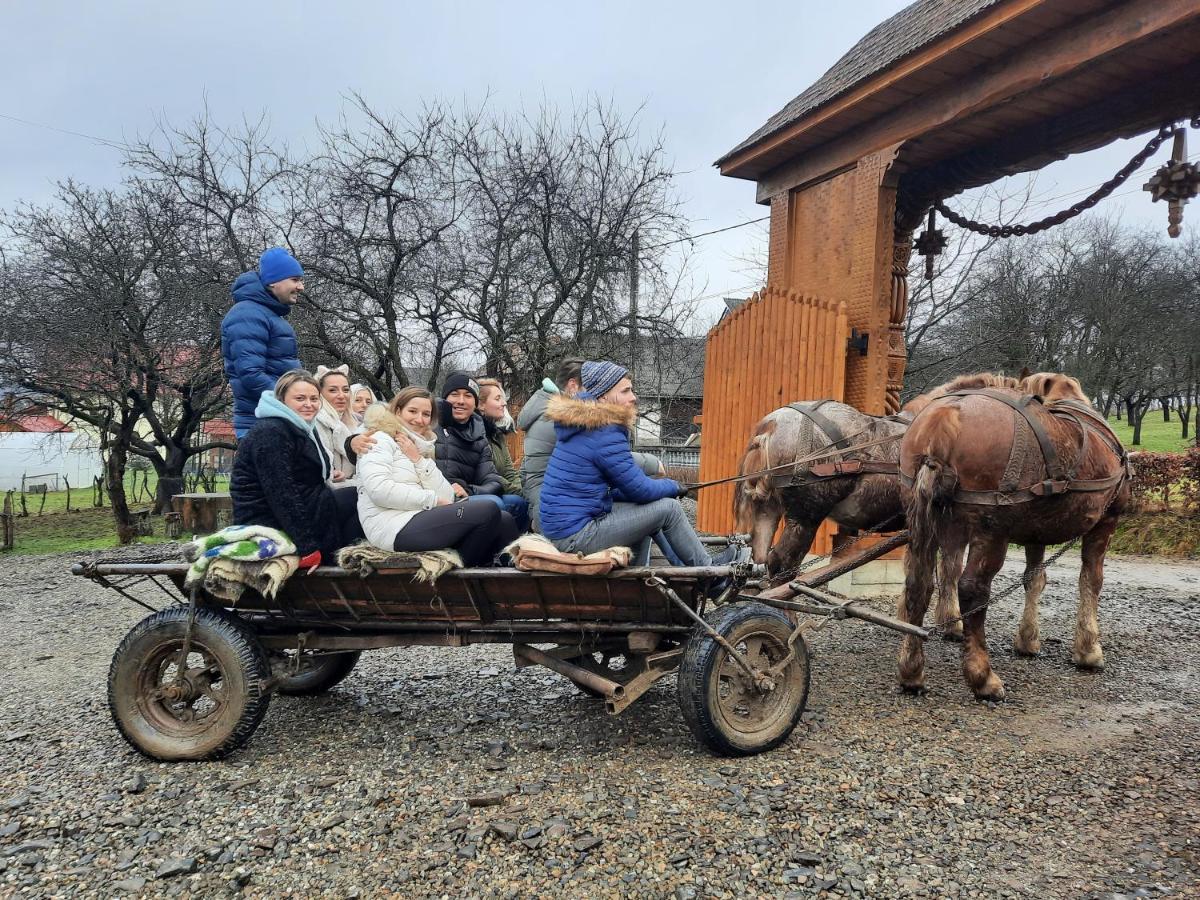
(280, 474)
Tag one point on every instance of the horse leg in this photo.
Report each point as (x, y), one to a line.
(1028, 641)
(953, 545)
(1087, 652)
(918, 586)
(974, 587)
(793, 544)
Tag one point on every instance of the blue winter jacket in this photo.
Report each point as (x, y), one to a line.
(259, 345)
(592, 466)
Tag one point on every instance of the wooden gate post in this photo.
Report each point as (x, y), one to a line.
(8, 537)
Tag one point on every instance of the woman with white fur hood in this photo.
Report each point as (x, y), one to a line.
(406, 504)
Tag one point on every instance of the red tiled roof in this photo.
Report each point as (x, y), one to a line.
(219, 428)
(38, 424)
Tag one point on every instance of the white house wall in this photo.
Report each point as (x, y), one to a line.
(648, 427)
(63, 455)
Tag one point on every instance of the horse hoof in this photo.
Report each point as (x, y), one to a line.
(1033, 648)
(914, 690)
(992, 689)
(1093, 659)
(954, 635)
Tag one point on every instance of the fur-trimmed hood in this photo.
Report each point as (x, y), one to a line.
(588, 415)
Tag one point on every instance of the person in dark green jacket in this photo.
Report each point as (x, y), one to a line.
(493, 407)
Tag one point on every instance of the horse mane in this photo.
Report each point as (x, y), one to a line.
(972, 382)
(1052, 386)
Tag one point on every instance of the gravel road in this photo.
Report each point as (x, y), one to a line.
(1082, 785)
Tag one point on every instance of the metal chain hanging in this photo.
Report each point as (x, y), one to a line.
(1005, 231)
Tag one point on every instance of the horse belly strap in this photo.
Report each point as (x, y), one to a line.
(854, 467)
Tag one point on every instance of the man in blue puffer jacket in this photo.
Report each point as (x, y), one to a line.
(257, 341)
(594, 495)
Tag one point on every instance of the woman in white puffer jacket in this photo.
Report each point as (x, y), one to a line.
(405, 503)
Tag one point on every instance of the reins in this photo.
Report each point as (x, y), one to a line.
(826, 451)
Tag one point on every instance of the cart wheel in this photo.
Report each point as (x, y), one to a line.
(726, 711)
(318, 672)
(619, 667)
(204, 712)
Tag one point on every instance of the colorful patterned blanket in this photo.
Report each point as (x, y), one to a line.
(241, 556)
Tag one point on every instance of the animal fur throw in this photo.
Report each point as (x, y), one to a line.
(228, 578)
(239, 557)
(533, 553)
(428, 565)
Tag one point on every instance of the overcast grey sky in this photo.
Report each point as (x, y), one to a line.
(708, 74)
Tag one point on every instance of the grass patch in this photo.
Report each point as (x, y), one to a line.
(62, 532)
(1157, 436)
(84, 527)
(1158, 534)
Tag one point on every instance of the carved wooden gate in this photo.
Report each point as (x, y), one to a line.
(777, 348)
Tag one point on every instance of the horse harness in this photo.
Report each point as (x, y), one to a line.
(1060, 478)
(835, 435)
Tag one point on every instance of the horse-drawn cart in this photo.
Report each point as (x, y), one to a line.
(193, 679)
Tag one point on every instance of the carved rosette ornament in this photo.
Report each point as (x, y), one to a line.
(1177, 182)
(897, 311)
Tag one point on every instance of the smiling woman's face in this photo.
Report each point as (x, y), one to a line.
(361, 401)
(417, 414)
(304, 399)
(336, 389)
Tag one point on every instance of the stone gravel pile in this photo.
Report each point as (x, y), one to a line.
(432, 772)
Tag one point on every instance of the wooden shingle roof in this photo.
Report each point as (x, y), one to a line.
(903, 34)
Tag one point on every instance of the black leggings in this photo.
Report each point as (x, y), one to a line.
(477, 529)
(347, 513)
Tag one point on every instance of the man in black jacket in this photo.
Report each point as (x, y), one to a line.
(463, 453)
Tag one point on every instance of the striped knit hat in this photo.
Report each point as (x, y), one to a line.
(601, 377)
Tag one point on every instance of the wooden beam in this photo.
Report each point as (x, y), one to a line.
(1172, 95)
(1034, 66)
(881, 82)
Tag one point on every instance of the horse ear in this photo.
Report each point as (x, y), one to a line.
(1025, 373)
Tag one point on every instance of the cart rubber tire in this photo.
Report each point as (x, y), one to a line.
(326, 671)
(228, 654)
(711, 683)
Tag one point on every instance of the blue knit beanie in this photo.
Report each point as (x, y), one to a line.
(277, 264)
(601, 377)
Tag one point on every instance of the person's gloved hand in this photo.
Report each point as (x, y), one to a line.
(309, 563)
(684, 491)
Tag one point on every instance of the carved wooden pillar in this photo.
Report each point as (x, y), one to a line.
(897, 310)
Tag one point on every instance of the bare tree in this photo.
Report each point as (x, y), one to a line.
(103, 321)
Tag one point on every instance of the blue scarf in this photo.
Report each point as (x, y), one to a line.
(271, 407)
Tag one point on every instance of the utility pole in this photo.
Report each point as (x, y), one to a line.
(633, 303)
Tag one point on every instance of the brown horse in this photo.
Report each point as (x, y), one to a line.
(860, 500)
(987, 468)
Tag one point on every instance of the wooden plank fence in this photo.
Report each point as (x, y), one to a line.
(779, 347)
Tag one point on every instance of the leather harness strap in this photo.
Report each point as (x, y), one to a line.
(834, 434)
(844, 467)
(1059, 480)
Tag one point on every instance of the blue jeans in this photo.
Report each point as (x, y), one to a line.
(513, 504)
(633, 525)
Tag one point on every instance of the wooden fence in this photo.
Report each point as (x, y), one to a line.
(777, 348)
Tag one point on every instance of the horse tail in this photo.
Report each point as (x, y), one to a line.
(758, 488)
(933, 482)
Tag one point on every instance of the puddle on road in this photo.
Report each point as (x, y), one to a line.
(1081, 726)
